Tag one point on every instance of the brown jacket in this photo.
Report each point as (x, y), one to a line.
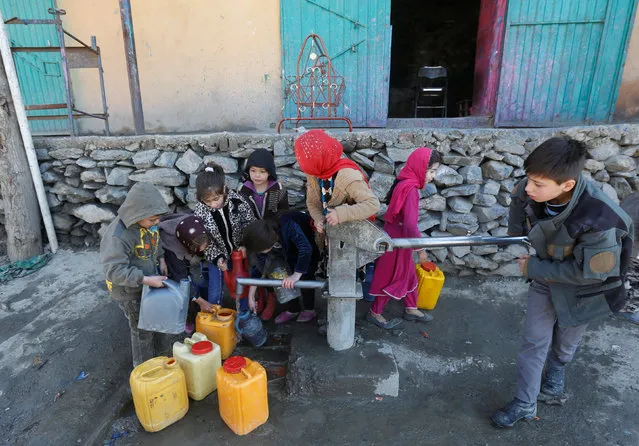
(352, 198)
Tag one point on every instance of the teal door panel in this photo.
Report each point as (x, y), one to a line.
(357, 38)
(620, 16)
(562, 61)
(39, 74)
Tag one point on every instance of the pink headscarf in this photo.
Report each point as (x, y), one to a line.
(412, 175)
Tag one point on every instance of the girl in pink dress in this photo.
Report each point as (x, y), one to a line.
(395, 275)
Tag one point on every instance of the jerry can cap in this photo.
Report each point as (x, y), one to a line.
(234, 364)
(202, 347)
(429, 266)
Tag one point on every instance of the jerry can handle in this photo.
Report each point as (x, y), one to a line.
(246, 373)
(171, 286)
(171, 363)
(237, 320)
(153, 370)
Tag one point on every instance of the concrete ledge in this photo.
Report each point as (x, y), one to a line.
(367, 369)
(107, 413)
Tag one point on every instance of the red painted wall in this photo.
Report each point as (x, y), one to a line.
(490, 39)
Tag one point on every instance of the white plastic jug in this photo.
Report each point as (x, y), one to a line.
(199, 359)
(164, 309)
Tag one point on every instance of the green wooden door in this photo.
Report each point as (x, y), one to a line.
(562, 61)
(39, 74)
(357, 35)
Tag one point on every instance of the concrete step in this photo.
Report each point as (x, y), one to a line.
(315, 370)
(273, 356)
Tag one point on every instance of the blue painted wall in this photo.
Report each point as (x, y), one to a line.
(39, 74)
(562, 61)
(357, 35)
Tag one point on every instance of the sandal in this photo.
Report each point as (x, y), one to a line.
(386, 326)
(425, 317)
(285, 316)
(306, 316)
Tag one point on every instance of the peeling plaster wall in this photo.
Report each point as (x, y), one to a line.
(628, 100)
(205, 65)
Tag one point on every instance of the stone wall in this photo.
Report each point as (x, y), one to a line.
(87, 178)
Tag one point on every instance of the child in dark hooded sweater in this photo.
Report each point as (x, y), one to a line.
(266, 196)
(290, 238)
(131, 256)
(268, 199)
(184, 239)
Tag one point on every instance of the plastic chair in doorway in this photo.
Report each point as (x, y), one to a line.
(432, 90)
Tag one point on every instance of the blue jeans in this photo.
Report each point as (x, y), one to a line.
(210, 286)
(213, 279)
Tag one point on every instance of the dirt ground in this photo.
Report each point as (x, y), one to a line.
(60, 322)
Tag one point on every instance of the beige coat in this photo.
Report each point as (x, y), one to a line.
(352, 198)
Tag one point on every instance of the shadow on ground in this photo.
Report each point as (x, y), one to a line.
(60, 321)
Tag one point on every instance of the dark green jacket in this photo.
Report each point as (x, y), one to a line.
(129, 252)
(582, 254)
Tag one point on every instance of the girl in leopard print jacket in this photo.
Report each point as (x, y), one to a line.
(225, 214)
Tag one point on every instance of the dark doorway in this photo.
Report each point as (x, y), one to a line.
(432, 33)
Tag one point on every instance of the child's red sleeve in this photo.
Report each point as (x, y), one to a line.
(411, 214)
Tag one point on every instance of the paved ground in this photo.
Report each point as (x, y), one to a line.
(55, 324)
(59, 322)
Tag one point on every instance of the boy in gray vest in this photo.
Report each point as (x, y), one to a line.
(583, 244)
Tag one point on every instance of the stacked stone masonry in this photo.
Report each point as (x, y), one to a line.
(87, 178)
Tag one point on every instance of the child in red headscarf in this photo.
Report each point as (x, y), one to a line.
(336, 189)
(395, 275)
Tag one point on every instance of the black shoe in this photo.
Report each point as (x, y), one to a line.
(514, 411)
(552, 388)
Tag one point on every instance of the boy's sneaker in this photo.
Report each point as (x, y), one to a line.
(629, 312)
(630, 317)
(514, 411)
(306, 316)
(552, 388)
(285, 316)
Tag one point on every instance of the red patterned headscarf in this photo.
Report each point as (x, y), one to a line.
(320, 155)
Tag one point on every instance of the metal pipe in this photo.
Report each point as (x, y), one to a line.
(105, 108)
(65, 66)
(132, 65)
(245, 281)
(445, 242)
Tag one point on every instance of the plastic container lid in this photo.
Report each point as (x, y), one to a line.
(234, 364)
(202, 347)
(429, 266)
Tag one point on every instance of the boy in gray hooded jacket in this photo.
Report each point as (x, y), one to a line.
(583, 245)
(131, 255)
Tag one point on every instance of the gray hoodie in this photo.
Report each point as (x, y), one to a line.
(129, 252)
